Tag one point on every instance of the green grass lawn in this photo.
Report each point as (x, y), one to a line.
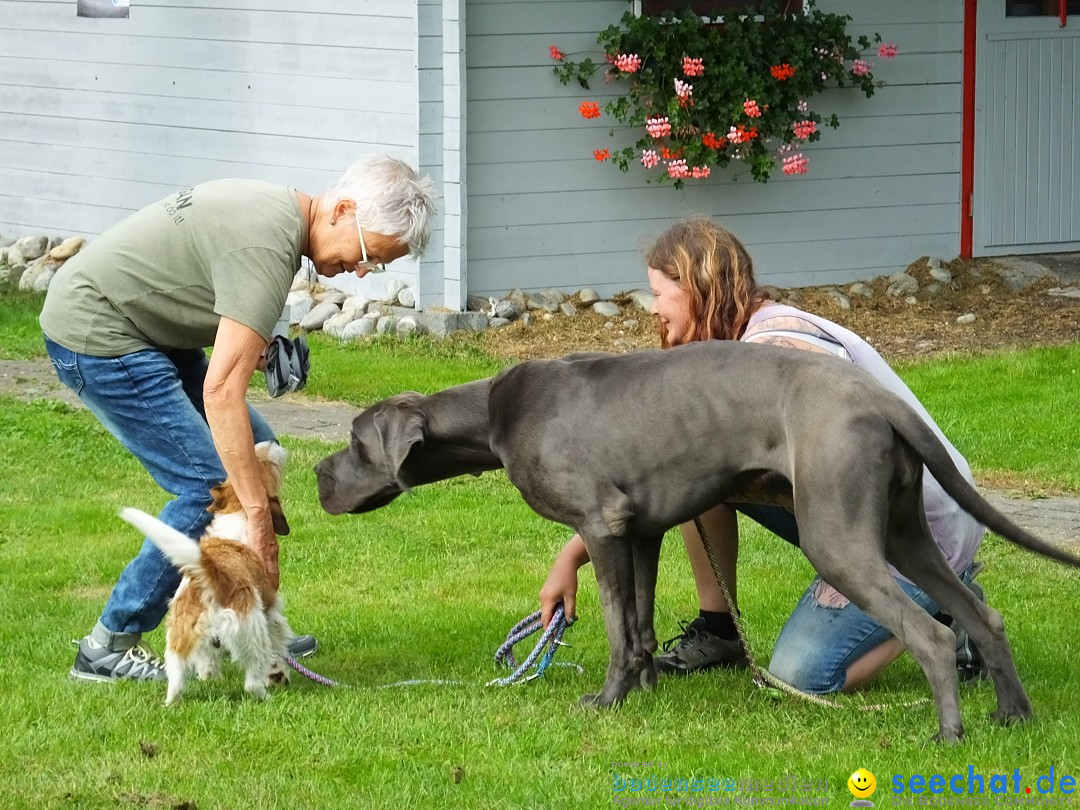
(427, 588)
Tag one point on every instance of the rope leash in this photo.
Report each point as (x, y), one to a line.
(307, 673)
(545, 648)
(762, 677)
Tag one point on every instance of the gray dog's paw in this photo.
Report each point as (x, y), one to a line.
(1003, 717)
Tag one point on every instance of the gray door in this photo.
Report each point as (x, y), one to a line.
(1027, 129)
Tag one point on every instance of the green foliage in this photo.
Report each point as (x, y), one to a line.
(777, 60)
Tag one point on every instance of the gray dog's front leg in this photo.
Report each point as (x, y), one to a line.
(646, 551)
(613, 564)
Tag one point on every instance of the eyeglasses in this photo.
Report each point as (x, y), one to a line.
(370, 266)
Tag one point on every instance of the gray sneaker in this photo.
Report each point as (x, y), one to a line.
(302, 646)
(696, 650)
(94, 662)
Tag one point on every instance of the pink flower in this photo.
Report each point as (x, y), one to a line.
(803, 107)
(751, 108)
(683, 89)
(795, 164)
(735, 135)
(860, 67)
(678, 169)
(700, 172)
(692, 67)
(804, 129)
(887, 50)
(556, 53)
(649, 158)
(658, 127)
(628, 62)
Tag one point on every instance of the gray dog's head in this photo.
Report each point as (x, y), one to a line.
(368, 473)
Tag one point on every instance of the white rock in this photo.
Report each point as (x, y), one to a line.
(966, 319)
(319, 315)
(507, 310)
(407, 325)
(568, 309)
(386, 324)
(41, 283)
(393, 287)
(606, 308)
(38, 268)
(587, 296)
(355, 306)
(300, 303)
(940, 274)
(861, 289)
(335, 324)
(407, 298)
(330, 295)
(32, 247)
(361, 327)
(643, 299)
(911, 300)
(15, 257)
(498, 323)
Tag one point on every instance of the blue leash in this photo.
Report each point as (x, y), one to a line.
(545, 648)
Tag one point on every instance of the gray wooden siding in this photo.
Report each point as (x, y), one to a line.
(883, 189)
(100, 117)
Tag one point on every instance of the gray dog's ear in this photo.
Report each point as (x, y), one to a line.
(400, 426)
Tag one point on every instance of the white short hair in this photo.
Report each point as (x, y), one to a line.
(391, 198)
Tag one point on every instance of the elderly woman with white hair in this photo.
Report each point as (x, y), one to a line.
(126, 322)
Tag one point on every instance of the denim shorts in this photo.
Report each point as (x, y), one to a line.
(819, 642)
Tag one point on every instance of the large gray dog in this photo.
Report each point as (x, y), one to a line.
(621, 448)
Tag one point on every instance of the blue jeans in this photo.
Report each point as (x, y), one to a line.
(818, 642)
(152, 402)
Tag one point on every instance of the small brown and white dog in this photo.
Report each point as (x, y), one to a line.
(225, 599)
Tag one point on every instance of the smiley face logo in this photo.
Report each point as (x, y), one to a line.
(862, 784)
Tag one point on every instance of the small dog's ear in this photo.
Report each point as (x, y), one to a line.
(222, 499)
(277, 516)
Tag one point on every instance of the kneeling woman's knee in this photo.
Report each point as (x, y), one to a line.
(804, 667)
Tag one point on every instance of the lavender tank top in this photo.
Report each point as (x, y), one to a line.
(957, 533)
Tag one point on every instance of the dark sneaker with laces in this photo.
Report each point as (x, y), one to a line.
(302, 646)
(970, 665)
(697, 650)
(94, 662)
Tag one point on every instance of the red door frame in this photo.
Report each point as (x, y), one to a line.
(967, 131)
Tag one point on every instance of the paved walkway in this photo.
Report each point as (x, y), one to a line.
(1054, 519)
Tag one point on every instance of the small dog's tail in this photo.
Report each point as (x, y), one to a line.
(181, 550)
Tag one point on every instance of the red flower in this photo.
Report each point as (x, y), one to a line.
(589, 109)
(782, 72)
(601, 154)
(557, 54)
(712, 142)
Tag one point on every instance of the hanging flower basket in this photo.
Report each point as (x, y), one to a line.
(703, 93)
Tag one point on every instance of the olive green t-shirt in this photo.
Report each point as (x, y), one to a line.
(165, 276)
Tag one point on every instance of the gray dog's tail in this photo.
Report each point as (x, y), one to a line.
(918, 435)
